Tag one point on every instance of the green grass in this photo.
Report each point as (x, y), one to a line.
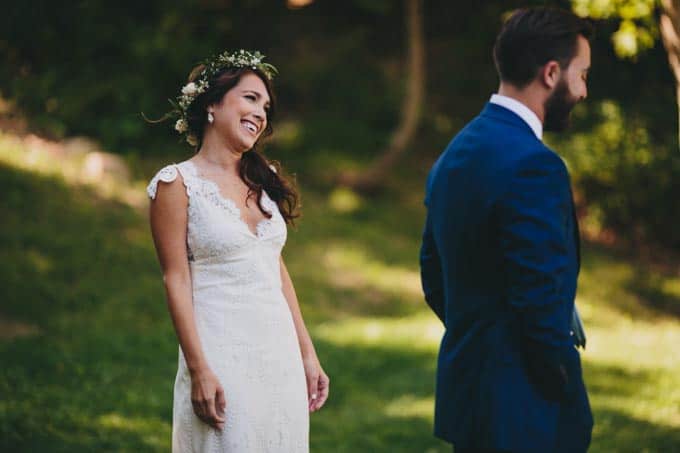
(95, 372)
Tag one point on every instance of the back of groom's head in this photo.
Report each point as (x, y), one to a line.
(532, 37)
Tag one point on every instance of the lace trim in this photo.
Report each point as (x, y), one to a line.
(211, 191)
(166, 174)
(266, 225)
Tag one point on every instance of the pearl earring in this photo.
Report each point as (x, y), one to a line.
(211, 118)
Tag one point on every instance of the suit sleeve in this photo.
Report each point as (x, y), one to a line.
(431, 270)
(534, 241)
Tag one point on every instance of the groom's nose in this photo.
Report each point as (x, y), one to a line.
(584, 93)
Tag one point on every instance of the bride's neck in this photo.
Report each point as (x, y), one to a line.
(219, 154)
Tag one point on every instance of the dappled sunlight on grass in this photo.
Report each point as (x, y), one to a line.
(642, 377)
(351, 267)
(617, 290)
(408, 406)
(72, 162)
(96, 347)
(635, 409)
(631, 364)
(418, 332)
(344, 200)
(144, 427)
(648, 344)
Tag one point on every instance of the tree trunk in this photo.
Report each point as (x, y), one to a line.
(373, 178)
(669, 24)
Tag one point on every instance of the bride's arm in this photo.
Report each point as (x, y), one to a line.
(317, 381)
(168, 218)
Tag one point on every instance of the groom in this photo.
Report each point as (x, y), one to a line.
(500, 253)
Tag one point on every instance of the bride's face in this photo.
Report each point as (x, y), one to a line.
(241, 115)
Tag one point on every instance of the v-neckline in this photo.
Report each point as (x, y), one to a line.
(231, 202)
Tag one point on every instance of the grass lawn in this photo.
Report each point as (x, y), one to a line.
(89, 355)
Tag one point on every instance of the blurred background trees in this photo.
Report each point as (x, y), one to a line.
(638, 28)
(621, 151)
(363, 85)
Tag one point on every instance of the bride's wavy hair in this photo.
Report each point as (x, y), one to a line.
(254, 169)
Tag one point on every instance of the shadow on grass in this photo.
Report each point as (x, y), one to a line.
(95, 389)
(616, 381)
(622, 400)
(650, 289)
(82, 269)
(362, 263)
(614, 280)
(66, 251)
(618, 432)
(381, 400)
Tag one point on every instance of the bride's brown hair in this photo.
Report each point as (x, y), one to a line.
(254, 169)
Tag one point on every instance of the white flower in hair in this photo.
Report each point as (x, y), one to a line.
(190, 89)
(212, 67)
(181, 126)
(202, 86)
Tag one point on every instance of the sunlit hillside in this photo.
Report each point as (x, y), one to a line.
(88, 352)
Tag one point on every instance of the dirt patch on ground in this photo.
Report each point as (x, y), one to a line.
(10, 329)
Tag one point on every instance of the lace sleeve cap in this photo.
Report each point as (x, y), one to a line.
(166, 174)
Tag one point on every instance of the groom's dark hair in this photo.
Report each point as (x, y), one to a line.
(531, 37)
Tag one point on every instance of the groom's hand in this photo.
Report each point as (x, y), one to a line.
(548, 370)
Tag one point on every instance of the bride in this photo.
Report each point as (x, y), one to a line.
(248, 374)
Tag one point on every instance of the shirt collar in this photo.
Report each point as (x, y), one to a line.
(522, 111)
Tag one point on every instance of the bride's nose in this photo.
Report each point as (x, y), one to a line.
(260, 115)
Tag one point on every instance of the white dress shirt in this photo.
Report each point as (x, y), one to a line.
(522, 111)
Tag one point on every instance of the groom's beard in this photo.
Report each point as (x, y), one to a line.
(558, 108)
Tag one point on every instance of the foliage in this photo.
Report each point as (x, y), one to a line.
(625, 174)
(68, 70)
(637, 27)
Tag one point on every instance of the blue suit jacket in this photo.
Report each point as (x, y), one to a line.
(499, 263)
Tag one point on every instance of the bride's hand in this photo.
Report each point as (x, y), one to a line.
(207, 398)
(318, 383)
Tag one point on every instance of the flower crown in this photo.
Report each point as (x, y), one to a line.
(211, 67)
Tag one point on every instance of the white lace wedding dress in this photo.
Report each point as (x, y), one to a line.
(244, 324)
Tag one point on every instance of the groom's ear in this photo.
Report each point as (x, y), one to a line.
(550, 74)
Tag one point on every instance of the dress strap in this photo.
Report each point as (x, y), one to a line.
(187, 169)
(166, 174)
(169, 173)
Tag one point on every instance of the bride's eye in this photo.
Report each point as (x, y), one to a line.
(250, 97)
